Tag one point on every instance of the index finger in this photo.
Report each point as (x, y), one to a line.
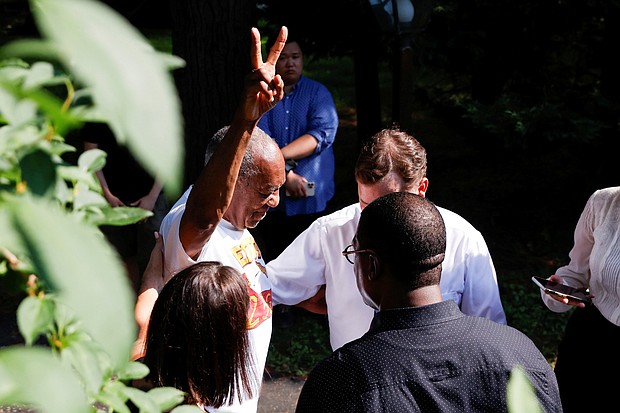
(277, 47)
(256, 55)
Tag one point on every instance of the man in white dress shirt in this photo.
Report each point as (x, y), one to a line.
(391, 161)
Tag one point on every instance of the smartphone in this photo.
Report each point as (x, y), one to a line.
(309, 189)
(562, 290)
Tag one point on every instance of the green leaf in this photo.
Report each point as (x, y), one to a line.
(131, 85)
(83, 268)
(60, 148)
(35, 316)
(124, 215)
(142, 400)
(170, 61)
(39, 173)
(31, 49)
(92, 160)
(41, 74)
(62, 192)
(83, 357)
(34, 377)
(84, 197)
(116, 403)
(167, 397)
(19, 106)
(134, 370)
(187, 408)
(9, 237)
(521, 397)
(13, 139)
(75, 174)
(16, 112)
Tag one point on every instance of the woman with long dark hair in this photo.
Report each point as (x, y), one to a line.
(197, 337)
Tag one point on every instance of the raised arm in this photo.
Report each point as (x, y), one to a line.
(213, 191)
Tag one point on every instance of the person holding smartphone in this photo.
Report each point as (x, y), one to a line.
(589, 351)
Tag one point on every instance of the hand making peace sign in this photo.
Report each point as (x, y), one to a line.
(263, 87)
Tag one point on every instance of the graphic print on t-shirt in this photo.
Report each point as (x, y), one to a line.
(248, 256)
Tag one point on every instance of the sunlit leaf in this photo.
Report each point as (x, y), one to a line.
(14, 110)
(167, 397)
(61, 191)
(14, 138)
(134, 370)
(84, 197)
(171, 61)
(83, 268)
(35, 316)
(92, 160)
(30, 48)
(60, 148)
(75, 174)
(142, 400)
(521, 397)
(34, 377)
(82, 356)
(125, 215)
(141, 102)
(186, 408)
(114, 402)
(114, 396)
(40, 74)
(20, 104)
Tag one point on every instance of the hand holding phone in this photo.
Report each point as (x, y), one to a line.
(309, 189)
(561, 290)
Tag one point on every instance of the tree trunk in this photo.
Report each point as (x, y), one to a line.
(213, 37)
(366, 62)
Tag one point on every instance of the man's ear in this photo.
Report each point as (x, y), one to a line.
(423, 187)
(374, 267)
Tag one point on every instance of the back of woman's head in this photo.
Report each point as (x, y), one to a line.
(197, 338)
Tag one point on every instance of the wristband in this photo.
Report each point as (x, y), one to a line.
(290, 165)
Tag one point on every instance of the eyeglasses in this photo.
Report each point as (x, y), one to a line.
(348, 251)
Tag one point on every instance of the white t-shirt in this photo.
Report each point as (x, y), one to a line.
(314, 258)
(237, 249)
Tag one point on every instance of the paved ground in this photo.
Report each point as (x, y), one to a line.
(279, 395)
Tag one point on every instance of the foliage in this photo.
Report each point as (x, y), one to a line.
(296, 349)
(518, 124)
(527, 313)
(78, 295)
(526, 73)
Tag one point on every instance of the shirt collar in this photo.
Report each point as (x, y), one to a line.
(411, 317)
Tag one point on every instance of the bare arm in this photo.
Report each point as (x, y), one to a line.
(213, 191)
(152, 283)
(300, 148)
(316, 304)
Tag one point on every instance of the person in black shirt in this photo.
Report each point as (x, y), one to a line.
(421, 354)
(126, 183)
